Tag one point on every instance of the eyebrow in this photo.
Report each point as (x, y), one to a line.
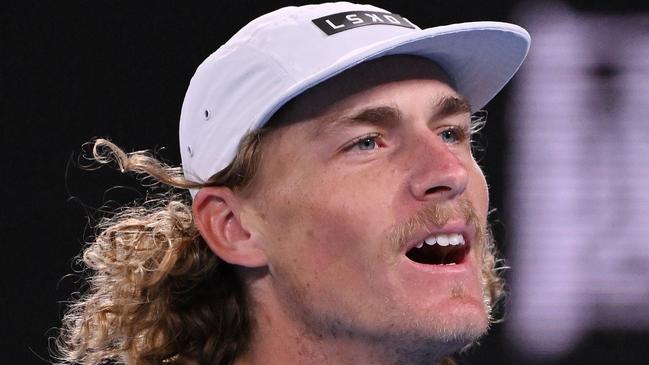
(447, 106)
(381, 116)
(385, 115)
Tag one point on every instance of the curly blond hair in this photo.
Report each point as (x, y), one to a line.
(156, 293)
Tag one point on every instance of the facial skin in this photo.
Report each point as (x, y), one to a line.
(333, 192)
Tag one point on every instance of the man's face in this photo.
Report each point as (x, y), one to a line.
(364, 168)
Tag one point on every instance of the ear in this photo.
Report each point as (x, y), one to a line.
(218, 216)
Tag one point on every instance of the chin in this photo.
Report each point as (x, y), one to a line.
(465, 330)
(443, 333)
(458, 321)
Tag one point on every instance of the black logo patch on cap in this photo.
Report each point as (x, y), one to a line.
(340, 22)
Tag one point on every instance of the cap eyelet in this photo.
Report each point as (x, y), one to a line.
(190, 151)
(206, 114)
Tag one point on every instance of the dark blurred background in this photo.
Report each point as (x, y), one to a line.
(75, 70)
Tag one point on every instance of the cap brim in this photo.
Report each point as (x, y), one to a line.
(479, 57)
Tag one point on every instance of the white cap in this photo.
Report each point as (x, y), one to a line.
(281, 54)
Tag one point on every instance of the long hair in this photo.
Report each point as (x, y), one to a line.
(156, 293)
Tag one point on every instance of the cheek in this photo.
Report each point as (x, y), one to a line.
(478, 191)
(325, 220)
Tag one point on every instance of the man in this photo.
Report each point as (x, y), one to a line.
(337, 214)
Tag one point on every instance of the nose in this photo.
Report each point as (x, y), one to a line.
(438, 172)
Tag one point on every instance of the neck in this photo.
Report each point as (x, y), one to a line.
(280, 337)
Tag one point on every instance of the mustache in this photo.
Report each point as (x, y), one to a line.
(436, 215)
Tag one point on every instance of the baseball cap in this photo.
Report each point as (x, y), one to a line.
(281, 54)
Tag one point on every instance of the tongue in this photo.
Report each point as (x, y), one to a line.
(437, 255)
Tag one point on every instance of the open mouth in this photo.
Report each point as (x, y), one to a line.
(440, 249)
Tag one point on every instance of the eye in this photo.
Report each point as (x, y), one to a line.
(367, 143)
(364, 143)
(454, 134)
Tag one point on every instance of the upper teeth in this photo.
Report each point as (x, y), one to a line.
(452, 239)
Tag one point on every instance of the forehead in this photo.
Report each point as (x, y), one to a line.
(356, 85)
